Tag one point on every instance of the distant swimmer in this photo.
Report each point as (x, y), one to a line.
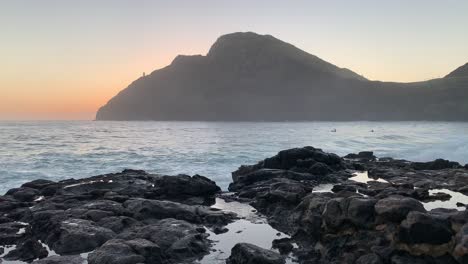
(372, 131)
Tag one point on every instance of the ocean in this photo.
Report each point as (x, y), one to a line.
(58, 150)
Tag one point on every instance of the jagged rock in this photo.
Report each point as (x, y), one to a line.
(396, 208)
(461, 247)
(438, 164)
(142, 209)
(363, 155)
(23, 194)
(371, 258)
(178, 239)
(10, 233)
(354, 210)
(244, 253)
(38, 184)
(283, 245)
(117, 251)
(117, 223)
(78, 236)
(424, 228)
(28, 251)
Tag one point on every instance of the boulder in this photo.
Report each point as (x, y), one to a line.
(178, 239)
(143, 209)
(10, 233)
(24, 194)
(244, 253)
(424, 228)
(363, 155)
(371, 258)
(438, 164)
(78, 236)
(356, 211)
(27, 251)
(396, 208)
(38, 184)
(117, 251)
(461, 245)
(184, 185)
(283, 245)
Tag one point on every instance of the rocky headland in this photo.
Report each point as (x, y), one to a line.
(321, 207)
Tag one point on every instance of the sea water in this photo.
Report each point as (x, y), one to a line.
(57, 150)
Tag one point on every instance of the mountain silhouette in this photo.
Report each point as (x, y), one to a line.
(461, 71)
(252, 77)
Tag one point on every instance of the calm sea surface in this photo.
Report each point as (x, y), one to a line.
(75, 149)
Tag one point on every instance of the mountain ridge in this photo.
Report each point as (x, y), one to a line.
(250, 77)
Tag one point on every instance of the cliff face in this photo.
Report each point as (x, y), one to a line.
(251, 77)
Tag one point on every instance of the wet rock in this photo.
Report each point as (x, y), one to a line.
(363, 155)
(78, 236)
(438, 164)
(371, 258)
(244, 253)
(283, 245)
(309, 162)
(117, 223)
(356, 211)
(460, 251)
(10, 233)
(117, 251)
(184, 185)
(38, 184)
(424, 228)
(342, 187)
(28, 251)
(77, 259)
(24, 194)
(178, 239)
(407, 259)
(396, 208)
(142, 209)
(262, 175)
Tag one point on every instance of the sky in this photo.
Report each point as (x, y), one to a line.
(63, 59)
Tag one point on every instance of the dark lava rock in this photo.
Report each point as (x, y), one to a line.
(371, 258)
(10, 233)
(396, 208)
(154, 209)
(28, 251)
(424, 228)
(23, 194)
(244, 253)
(461, 247)
(38, 184)
(78, 236)
(77, 259)
(438, 164)
(117, 251)
(177, 239)
(352, 210)
(363, 155)
(283, 245)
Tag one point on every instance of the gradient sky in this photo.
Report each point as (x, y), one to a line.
(63, 59)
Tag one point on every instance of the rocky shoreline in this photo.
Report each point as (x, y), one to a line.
(324, 208)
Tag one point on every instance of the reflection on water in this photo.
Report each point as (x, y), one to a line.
(253, 229)
(449, 204)
(363, 177)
